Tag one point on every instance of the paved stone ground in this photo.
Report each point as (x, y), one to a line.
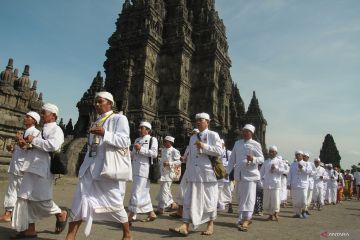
(341, 218)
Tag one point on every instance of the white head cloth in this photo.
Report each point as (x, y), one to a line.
(51, 108)
(299, 152)
(105, 95)
(273, 148)
(249, 127)
(35, 116)
(170, 139)
(317, 160)
(330, 165)
(307, 154)
(145, 124)
(203, 116)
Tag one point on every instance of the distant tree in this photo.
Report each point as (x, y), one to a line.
(329, 152)
(62, 125)
(69, 129)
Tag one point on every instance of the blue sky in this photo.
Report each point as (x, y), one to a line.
(301, 57)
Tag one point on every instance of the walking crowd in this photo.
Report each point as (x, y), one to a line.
(260, 186)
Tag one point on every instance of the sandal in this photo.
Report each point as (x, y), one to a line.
(149, 219)
(60, 225)
(179, 231)
(175, 215)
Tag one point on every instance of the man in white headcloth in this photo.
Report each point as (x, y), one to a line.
(35, 196)
(18, 155)
(245, 158)
(201, 191)
(332, 184)
(271, 172)
(225, 185)
(311, 182)
(319, 178)
(298, 182)
(182, 187)
(283, 189)
(100, 193)
(170, 165)
(144, 151)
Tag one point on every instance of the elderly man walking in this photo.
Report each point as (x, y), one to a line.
(245, 158)
(35, 196)
(271, 172)
(201, 191)
(18, 156)
(319, 178)
(100, 193)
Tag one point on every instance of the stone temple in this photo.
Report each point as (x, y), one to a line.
(167, 61)
(17, 97)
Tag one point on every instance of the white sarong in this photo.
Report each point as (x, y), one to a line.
(200, 201)
(98, 200)
(299, 198)
(225, 193)
(140, 200)
(164, 196)
(12, 191)
(271, 201)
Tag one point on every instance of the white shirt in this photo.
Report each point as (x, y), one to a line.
(18, 155)
(244, 170)
(117, 134)
(198, 165)
(140, 160)
(320, 172)
(37, 160)
(272, 179)
(332, 178)
(173, 156)
(299, 178)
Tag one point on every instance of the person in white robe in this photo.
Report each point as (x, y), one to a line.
(170, 168)
(284, 191)
(225, 185)
(271, 172)
(201, 191)
(100, 192)
(319, 178)
(311, 183)
(332, 185)
(298, 182)
(245, 158)
(142, 156)
(183, 184)
(18, 151)
(35, 196)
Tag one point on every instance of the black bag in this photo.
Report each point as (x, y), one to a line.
(58, 161)
(154, 169)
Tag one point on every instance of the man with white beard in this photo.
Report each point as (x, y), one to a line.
(319, 178)
(332, 184)
(225, 185)
(311, 182)
(298, 182)
(245, 158)
(271, 172)
(201, 191)
(284, 190)
(35, 196)
(18, 156)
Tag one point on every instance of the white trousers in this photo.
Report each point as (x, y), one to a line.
(140, 200)
(331, 194)
(309, 197)
(12, 191)
(318, 194)
(164, 197)
(271, 201)
(299, 197)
